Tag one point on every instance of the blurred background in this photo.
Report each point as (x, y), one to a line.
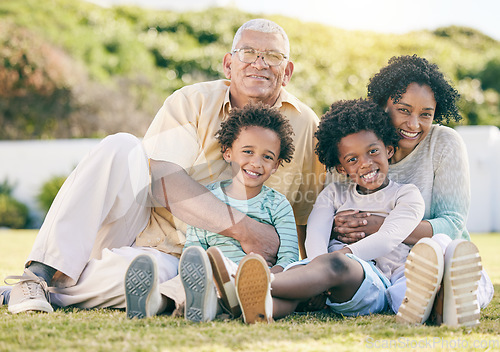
(80, 70)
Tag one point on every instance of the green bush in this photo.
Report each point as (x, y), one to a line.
(48, 192)
(13, 214)
(63, 61)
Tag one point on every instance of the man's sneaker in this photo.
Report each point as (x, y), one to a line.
(4, 290)
(423, 271)
(30, 293)
(224, 272)
(253, 289)
(142, 292)
(462, 272)
(196, 277)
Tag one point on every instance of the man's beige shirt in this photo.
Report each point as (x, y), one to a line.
(183, 133)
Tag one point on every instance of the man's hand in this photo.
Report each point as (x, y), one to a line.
(351, 226)
(258, 238)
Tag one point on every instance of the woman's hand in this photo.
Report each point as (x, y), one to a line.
(350, 226)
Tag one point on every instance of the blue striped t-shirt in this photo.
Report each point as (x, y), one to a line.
(269, 207)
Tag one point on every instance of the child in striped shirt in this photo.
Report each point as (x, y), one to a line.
(255, 141)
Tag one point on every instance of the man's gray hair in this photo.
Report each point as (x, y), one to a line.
(264, 26)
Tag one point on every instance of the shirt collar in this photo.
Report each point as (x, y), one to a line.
(283, 98)
(287, 98)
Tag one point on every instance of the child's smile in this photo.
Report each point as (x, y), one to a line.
(365, 159)
(254, 158)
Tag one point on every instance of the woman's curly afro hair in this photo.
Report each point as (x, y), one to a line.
(346, 117)
(393, 79)
(259, 115)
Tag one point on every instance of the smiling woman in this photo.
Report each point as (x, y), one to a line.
(412, 116)
(415, 94)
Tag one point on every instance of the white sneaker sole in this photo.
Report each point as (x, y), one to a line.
(196, 277)
(461, 278)
(31, 306)
(252, 289)
(140, 282)
(28, 304)
(423, 271)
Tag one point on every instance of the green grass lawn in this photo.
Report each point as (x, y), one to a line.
(110, 330)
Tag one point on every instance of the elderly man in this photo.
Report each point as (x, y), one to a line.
(128, 197)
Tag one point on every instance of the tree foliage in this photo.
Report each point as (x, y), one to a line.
(48, 192)
(73, 69)
(13, 214)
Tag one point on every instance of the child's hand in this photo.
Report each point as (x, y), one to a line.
(276, 269)
(313, 304)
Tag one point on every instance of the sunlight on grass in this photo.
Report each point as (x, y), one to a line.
(16, 246)
(488, 245)
(72, 329)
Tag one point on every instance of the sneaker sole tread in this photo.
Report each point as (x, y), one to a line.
(194, 272)
(139, 281)
(423, 272)
(461, 283)
(252, 287)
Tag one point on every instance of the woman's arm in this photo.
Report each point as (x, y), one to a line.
(402, 220)
(424, 229)
(351, 226)
(450, 203)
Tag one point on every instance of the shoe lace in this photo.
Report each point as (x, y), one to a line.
(33, 287)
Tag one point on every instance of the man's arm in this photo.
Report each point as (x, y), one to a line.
(192, 203)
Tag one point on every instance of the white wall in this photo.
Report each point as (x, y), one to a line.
(483, 146)
(30, 163)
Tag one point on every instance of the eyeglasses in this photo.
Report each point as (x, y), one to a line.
(249, 56)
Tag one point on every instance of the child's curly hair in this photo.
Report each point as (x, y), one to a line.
(346, 117)
(259, 115)
(392, 80)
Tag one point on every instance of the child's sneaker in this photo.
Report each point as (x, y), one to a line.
(30, 293)
(224, 271)
(423, 271)
(142, 292)
(196, 276)
(462, 272)
(253, 289)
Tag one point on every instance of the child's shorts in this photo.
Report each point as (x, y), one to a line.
(370, 297)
